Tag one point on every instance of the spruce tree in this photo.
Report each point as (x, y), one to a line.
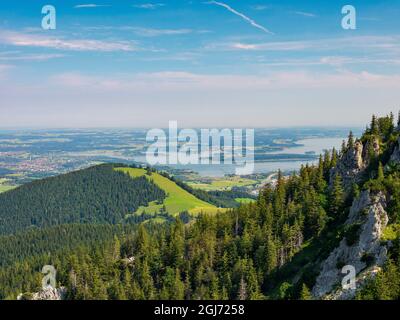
(350, 142)
(336, 196)
(334, 158)
(344, 148)
(305, 293)
(381, 173)
(374, 125)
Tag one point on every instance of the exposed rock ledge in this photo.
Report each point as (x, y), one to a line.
(45, 294)
(369, 212)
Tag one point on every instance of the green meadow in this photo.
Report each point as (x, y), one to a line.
(177, 200)
(245, 200)
(223, 184)
(4, 186)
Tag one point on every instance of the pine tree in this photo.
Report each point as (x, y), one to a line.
(272, 259)
(334, 158)
(381, 173)
(305, 293)
(336, 196)
(320, 179)
(350, 142)
(392, 123)
(344, 148)
(146, 281)
(374, 125)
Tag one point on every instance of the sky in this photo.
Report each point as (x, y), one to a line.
(225, 63)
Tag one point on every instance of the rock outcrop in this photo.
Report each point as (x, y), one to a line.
(48, 293)
(366, 221)
(350, 166)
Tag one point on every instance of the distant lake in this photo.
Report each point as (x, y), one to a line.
(313, 145)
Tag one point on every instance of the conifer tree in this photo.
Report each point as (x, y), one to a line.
(334, 158)
(305, 293)
(344, 148)
(381, 174)
(336, 196)
(374, 125)
(350, 142)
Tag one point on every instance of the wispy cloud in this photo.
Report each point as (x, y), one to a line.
(334, 61)
(383, 44)
(30, 57)
(149, 32)
(32, 40)
(244, 17)
(182, 81)
(91, 5)
(305, 14)
(260, 7)
(150, 6)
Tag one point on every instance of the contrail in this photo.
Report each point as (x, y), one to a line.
(251, 21)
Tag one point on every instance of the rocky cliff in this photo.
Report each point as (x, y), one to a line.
(360, 248)
(354, 161)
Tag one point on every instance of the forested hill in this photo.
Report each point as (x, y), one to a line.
(290, 244)
(98, 194)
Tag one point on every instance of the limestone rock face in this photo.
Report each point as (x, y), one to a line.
(350, 165)
(45, 294)
(366, 255)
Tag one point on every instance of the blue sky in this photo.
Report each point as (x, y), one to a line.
(204, 63)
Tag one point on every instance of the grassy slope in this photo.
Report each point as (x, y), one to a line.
(178, 200)
(4, 186)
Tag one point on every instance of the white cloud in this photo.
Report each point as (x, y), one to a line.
(388, 44)
(305, 14)
(29, 57)
(91, 5)
(32, 40)
(148, 32)
(260, 7)
(244, 17)
(150, 6)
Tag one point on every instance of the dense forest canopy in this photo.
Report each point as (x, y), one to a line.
(270, 249)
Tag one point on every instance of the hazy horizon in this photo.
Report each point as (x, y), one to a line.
(205, 64)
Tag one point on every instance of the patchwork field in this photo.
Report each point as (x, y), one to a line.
(177, 200)
(222, 184)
